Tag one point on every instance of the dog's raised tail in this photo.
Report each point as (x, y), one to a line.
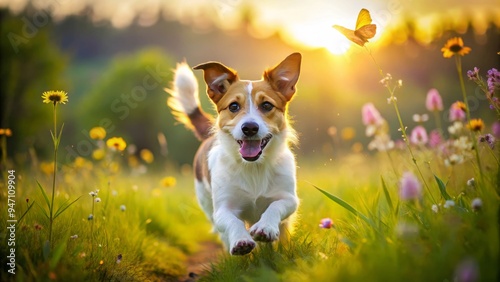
(185, 103)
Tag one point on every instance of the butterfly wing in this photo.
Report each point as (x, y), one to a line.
(364, 18)
(366, 32)
(350, 34)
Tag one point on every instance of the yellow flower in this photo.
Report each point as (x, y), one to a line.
(459, 105)
(98, 154)
(47, 168)
(455, 46)
(476, 125)
(147, 156)
(116, 143)
(55, 97)
(168, 181)
(97, 133)
(6, 131)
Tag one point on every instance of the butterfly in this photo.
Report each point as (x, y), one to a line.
(364, 29)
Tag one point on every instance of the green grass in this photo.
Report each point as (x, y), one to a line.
(377, 237)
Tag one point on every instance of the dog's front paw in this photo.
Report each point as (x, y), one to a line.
(264, 232)
(242, 247)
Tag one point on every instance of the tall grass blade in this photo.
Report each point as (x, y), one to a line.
(27, 210)
(44, 194)
(386, 193)
(63, 207)
(345, 205)
(442, 188)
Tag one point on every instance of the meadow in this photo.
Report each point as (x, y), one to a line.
(423, 207)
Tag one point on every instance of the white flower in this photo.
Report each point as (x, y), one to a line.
(97, 200)
(477, 204)
(455, 128)
(471, 182)
(448, 204)
(123, 208)
(435, 208)
(74, 236)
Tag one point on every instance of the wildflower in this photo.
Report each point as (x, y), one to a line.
(101, 262)
(97, 133)
(74, 236)
(457, 111)
(473, 74)
(433, 101)
(493, 80)
(381, 142)
(409, 187)
(435, 208)
(385, 81)
(454, 159)
(94, 193)
(435, 138)
(462, 143)
(97, 200)
(168, 181)
(47, 168)
(467, 271)
(6, 131)
(448, 204)
(419, 136)
(55, 97)
(147, 156)
(455, 46)
(326, 223)
(123, 208)
(370, 115)
(476, 124)
(90, 217)
(456, 128)
(420, 118)
(116, 143)
(38, 227)
(476, 204)
(471, 182)
(495, 129)
(119, 258)
(98, 154)
(489, 139)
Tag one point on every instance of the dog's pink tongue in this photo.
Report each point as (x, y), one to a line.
(250, 148)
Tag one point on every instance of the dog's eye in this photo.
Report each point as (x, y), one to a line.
(234, 107)
(266, 106)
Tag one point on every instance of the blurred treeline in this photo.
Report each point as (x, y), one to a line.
(115, 79)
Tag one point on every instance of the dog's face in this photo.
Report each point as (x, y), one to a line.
(252, 113)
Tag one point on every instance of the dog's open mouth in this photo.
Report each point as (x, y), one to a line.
(251, 149)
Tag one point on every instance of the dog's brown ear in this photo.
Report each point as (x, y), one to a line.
(284, 76)
(218, 78)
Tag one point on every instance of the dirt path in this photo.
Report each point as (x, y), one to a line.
(200, 261)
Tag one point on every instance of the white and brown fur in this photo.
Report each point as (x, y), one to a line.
(237, 187)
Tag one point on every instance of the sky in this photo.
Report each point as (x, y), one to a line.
(307, 24)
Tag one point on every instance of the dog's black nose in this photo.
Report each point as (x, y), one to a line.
(250, 128)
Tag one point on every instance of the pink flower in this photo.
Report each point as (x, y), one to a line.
(371, 115)
(409, 187)
(433, 102)
(495, 129)
(457, 111)
(326, 223)
(435, 138)
(419, 136)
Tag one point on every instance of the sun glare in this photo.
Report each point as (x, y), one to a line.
(318, 35)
